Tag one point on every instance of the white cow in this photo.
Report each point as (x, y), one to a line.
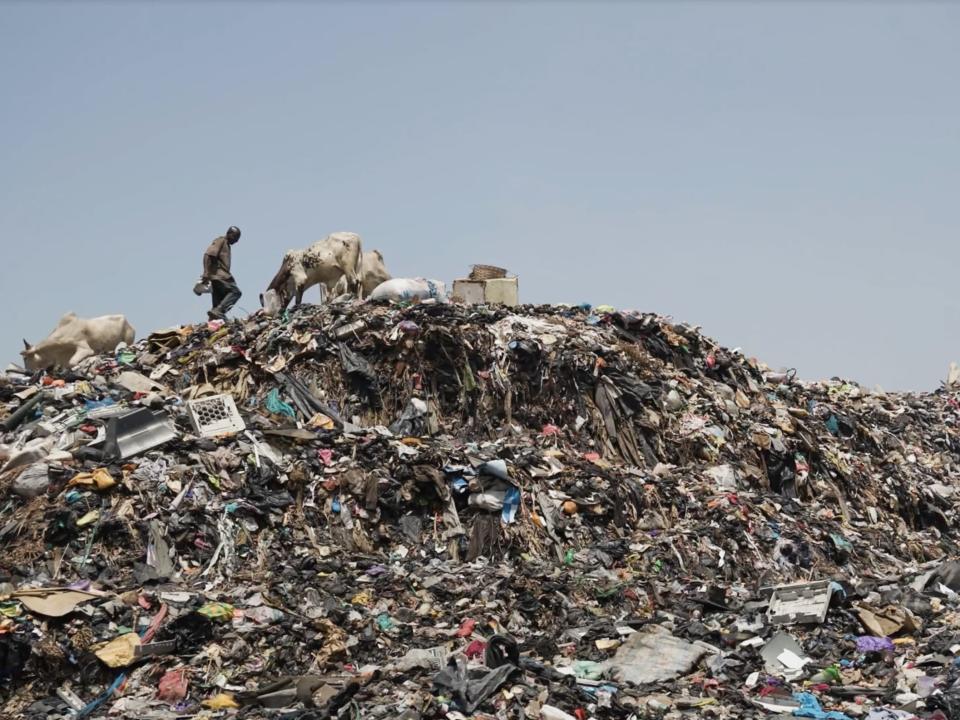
(373, 271)
(75, 339)
(325, 262)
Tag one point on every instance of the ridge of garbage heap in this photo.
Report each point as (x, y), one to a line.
(439, 511)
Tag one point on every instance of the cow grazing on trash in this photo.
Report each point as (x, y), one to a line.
(75, 339)
(336, 256)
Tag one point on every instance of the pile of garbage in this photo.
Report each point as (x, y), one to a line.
(439, 511)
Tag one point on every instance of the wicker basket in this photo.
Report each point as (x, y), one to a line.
(487, 272)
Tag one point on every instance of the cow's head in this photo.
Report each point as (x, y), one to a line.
(275, 301)
(282, 284)
(31, 358)
(280, 293)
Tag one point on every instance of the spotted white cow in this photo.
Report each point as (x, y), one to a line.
(324, 263)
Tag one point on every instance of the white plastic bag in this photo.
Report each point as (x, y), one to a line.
(400, 289)
(201, 287)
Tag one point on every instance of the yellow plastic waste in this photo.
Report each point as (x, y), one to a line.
(99, 479)
(321, 422)
(362, 598)
(220, 702)
(119, 652)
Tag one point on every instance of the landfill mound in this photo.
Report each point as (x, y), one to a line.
(437, 510)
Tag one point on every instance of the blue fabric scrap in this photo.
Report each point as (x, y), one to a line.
(511, 503)
(810, 707)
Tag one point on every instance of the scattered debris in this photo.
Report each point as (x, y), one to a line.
(422, 509)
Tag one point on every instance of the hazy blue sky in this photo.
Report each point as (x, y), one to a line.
(784, 175)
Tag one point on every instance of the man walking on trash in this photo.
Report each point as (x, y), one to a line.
(216, 271)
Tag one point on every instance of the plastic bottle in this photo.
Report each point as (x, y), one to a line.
(548, 712)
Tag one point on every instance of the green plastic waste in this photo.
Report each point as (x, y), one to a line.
(385, 622)
(217, 611)
(277, 406)
(587, 669)
(126, 357)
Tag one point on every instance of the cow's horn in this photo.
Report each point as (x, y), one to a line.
(26, 345)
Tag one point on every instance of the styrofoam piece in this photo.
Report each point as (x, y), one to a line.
(215, 415)
(502, 291)
(800, 603)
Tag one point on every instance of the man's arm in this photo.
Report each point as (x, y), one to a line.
(211, 258)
